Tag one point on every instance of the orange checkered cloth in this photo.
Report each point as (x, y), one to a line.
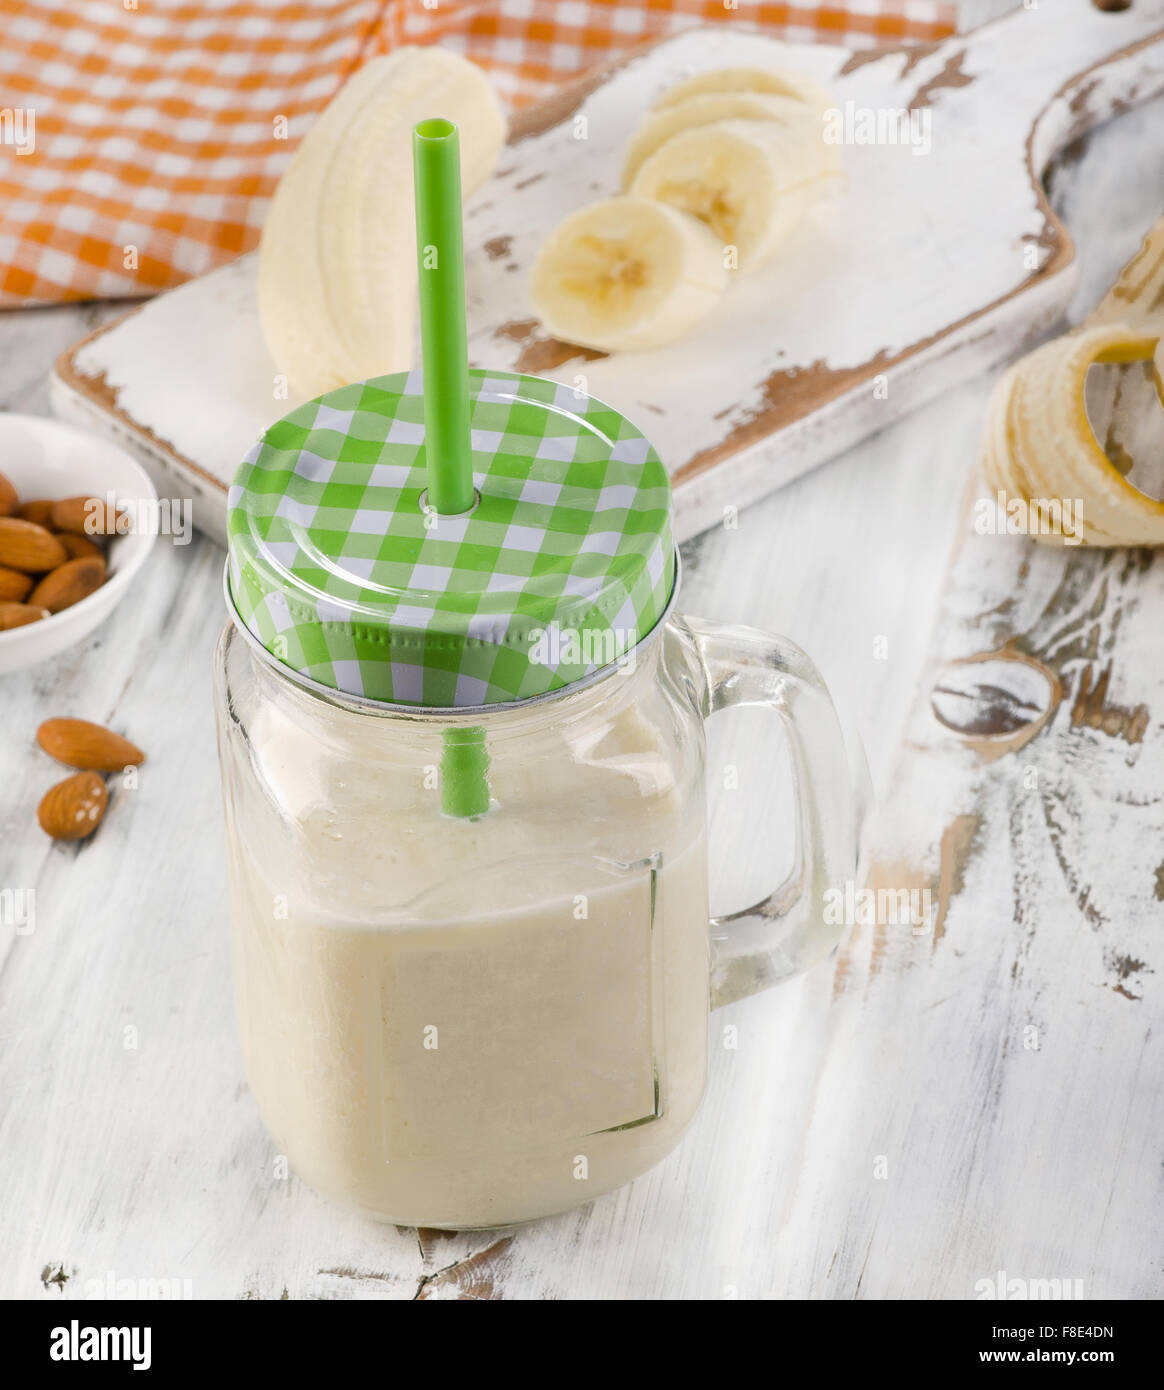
(141, 139)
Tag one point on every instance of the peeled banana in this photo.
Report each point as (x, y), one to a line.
(337, 258)
(627, 274)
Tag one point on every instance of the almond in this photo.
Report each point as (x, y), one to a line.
(9, 500)
(80, 547)
(87, 516)
(14, 586)
(40, 511)
(17, 614)
(68, 584)
(77, 743)
(26, 546)
(73, 808)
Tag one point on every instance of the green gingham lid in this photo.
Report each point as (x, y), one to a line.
(563, 564)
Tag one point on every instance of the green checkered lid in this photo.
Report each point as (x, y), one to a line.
(344, 574)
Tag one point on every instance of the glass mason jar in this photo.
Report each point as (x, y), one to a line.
(466, 1021)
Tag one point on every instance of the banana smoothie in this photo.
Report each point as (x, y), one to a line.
(496, 1024)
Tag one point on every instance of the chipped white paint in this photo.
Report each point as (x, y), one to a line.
(919, 267)
(873, 1134)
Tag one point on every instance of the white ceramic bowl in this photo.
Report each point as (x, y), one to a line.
(44, 458)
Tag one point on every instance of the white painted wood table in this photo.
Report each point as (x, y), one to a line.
(879, 1131)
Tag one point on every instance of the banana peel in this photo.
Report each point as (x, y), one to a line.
(1038, 444)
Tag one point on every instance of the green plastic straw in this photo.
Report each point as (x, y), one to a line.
(464, 773)
(440, 263)
(440, 256)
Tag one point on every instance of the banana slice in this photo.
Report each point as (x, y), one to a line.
(664, 122)
(749, 181)
(337, 259)
(770, 81)
(626, 275)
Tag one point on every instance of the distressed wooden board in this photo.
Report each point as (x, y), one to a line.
(924, 270)
(1029, 804)
(1025, 831)
(153, 1164)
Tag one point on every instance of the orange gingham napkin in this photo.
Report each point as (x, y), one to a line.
(141, 139)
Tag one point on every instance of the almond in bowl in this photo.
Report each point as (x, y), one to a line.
(36, 554)
(69, 539)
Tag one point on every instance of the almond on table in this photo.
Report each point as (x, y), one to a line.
(79, 743)
(26, 546)
(8, 497)
(73, 808)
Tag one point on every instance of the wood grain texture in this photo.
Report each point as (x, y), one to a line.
(920, 273)
(1046, 861)
(152, 1164)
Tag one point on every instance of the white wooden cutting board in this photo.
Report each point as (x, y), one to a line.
(924, 269)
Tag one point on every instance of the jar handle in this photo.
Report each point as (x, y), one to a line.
(790, 929)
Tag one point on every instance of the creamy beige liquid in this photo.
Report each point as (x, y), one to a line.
(450, 1063)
